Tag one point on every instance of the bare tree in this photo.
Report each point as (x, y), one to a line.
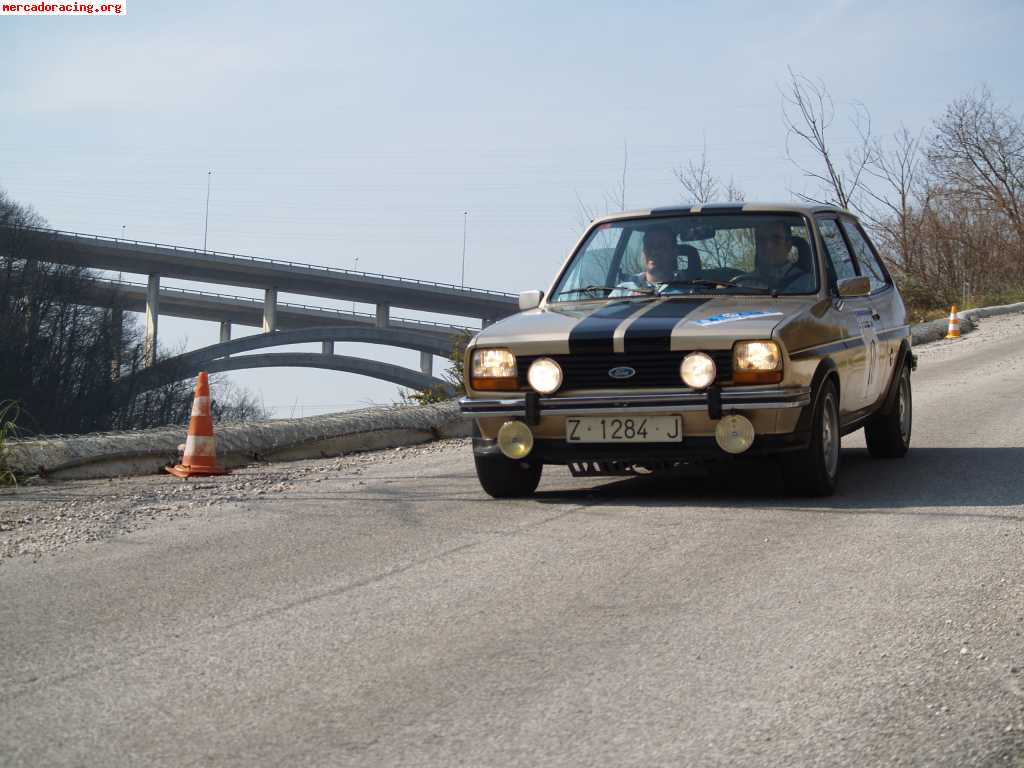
(890, 207)
(614, 199)
(808, 113)
(978, 152)
(52, 346)
(702, 186)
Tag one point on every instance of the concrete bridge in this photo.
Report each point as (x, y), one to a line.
(272, 276)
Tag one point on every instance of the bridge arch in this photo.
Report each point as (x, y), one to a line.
(222, 357)
(390, 337)
(396, 374)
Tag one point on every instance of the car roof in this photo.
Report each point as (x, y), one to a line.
(742, 207)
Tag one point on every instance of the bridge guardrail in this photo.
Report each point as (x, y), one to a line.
(266, 260)
(281, 304)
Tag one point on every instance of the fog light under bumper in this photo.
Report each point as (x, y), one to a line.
(515, 440)
(734, 434)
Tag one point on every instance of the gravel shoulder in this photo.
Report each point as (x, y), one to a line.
(47, 517)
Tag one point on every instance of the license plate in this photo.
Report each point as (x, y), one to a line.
(629, 429)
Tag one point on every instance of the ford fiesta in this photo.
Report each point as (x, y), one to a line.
(683, 335)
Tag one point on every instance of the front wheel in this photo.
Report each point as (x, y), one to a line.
(505, 478)
(814, 471)
(888, 434)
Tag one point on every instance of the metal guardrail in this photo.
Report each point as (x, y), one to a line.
(265, 260)
(280, 304)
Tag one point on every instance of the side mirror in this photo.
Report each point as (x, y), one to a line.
(530, 299)
(848, 287)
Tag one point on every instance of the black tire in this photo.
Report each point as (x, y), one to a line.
(888, 434)
(504, 478)
(814, 471)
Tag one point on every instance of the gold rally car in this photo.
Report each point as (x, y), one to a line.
(675, 336)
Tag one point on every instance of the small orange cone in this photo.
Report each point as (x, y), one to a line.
(954, 324)
(200, 457)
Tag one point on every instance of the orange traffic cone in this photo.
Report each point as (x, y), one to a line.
(954, 324)
(200, 457)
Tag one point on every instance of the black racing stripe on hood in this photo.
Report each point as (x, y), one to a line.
(652, 331)
(593, 334)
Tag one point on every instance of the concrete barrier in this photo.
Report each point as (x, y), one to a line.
(146, 451)
(922, 333)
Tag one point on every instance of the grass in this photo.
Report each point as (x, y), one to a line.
(924, 314)
(9, 412)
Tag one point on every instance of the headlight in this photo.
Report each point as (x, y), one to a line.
(545, 375)
(757, 362)
(493, 369)
(698, 370)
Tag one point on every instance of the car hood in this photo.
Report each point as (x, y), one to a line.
(644, 325)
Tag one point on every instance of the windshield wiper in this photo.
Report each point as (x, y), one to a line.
(607, 289)
(756, 289)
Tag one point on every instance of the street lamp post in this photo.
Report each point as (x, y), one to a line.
(465, 218)
(206, 223)
(122, 238)
(355, 268)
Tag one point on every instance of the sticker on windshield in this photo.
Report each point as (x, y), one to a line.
(730, 317)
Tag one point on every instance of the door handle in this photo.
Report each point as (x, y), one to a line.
(875, 315)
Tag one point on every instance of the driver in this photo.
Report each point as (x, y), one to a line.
(778, 265)
(660, 262)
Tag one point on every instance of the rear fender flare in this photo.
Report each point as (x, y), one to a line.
(904, 358)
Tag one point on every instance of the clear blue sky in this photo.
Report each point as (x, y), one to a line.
(340, 130)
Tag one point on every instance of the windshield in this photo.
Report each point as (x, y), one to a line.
(737, 254)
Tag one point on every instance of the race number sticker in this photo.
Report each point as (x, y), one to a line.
(732, 317)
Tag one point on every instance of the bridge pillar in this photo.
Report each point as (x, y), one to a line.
(116, 330)
(225, 332)
(427, 363)
(270, 310)
(327, 347)
(152, 317)
(383, 315)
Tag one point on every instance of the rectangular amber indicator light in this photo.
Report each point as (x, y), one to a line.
(756, 362)
(493, 369)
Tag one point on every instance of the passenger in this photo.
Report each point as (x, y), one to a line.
(660, 263)
(780, 263)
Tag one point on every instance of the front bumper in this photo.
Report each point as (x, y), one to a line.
(610, 458)
(715, 401)
(774, 411)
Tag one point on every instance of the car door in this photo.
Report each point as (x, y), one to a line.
(887, 309)
(857, 362)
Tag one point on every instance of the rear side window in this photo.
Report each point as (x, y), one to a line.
(838, 254)
(866, 258)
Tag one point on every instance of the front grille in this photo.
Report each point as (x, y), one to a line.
(654, 370)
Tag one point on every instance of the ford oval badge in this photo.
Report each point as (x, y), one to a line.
(622, 372)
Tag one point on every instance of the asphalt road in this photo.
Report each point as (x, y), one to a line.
(396, 616)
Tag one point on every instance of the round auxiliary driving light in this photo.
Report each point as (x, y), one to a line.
(734, 433)
(515, 439)
(698, 370)
(545, 375)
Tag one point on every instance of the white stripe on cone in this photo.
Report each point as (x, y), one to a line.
(201, 406)
(197, 445)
